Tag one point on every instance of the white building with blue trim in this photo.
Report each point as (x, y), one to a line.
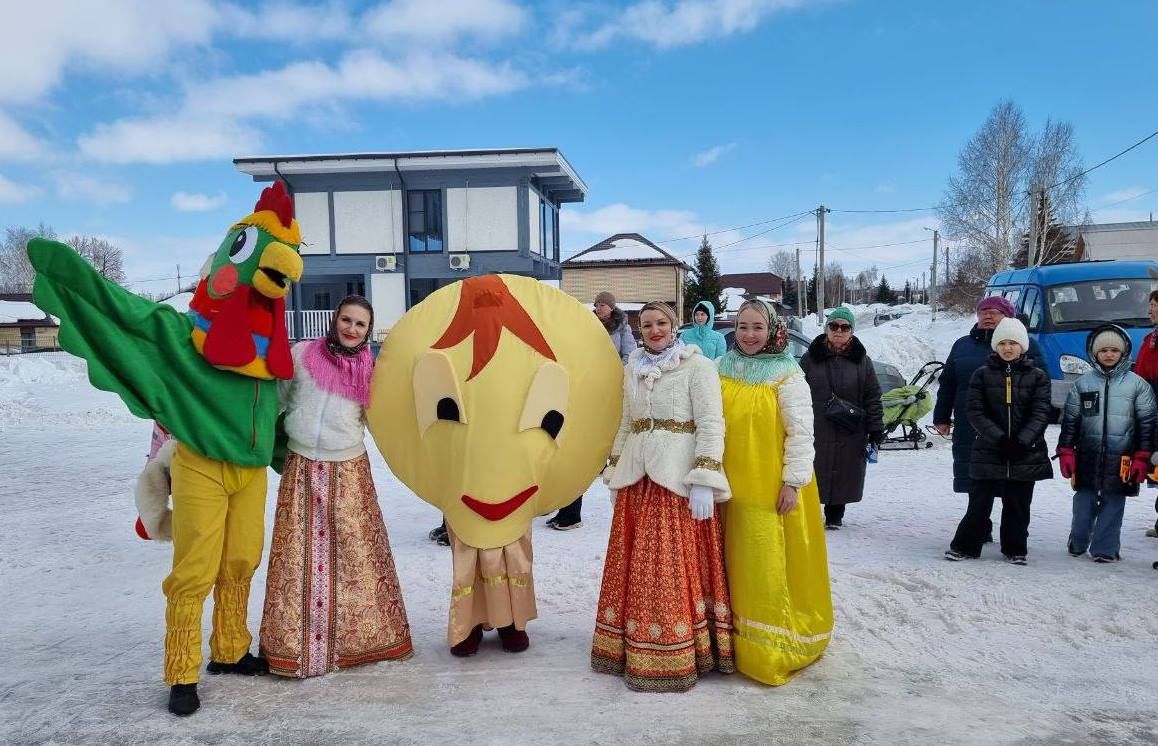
(395, 227)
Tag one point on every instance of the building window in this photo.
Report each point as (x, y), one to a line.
(356, 288)
(420, 287)
(424, 214)
(27, 339)
(322, 301)
(548, 230)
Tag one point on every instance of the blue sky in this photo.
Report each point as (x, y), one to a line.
(121, 118)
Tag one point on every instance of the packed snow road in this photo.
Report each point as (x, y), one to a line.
(925, 651)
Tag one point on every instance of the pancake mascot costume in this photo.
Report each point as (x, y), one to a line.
(208, 377)
(495, 400)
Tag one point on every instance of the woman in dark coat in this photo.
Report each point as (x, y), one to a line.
(836, 362)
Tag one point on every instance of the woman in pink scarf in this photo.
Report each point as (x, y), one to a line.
(332, 598)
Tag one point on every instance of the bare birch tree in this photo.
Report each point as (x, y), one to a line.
(16, 273)
(102, 255)
(981, 210)
(783, 265)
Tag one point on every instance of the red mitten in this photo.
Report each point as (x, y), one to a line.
(1139, 467)
(140, 528)
(1066, 461)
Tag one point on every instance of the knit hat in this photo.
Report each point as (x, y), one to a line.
(1108, 338)
(996, 302)
(605, 298)
(1011, 330)
(844, 314)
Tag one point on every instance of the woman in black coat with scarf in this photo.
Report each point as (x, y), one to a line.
(837, 363)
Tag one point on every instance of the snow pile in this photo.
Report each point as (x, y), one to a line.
(50, 390)
(915, 339)
(40, 369)
(12, 311)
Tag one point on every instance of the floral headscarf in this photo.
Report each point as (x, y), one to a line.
(772, 361)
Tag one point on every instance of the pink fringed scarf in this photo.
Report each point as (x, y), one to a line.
(347, 376)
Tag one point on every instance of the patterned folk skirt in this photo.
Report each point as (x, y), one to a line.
(331, 596)
(664, 614)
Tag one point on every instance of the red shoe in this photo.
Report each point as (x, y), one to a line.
(469, 646)
(514, 640)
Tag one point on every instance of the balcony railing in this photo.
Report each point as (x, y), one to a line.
(314, 324)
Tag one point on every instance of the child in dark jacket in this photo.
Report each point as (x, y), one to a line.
(1107, 436)
(1009, 410)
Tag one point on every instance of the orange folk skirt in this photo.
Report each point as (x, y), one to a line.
(664, 614)
(332, 598)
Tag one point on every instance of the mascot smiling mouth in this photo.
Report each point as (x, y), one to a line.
(499, 511)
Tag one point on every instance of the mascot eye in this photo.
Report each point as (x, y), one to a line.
(546, 405)
(436, 391)
(243, 245)
(447, 409)
(552, 423)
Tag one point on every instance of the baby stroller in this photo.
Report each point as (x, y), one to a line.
(904, 406)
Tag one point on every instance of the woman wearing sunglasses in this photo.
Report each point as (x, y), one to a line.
(846, 405)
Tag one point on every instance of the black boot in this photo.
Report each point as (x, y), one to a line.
(248, 665)
(183, 699)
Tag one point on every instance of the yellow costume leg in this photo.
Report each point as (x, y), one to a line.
(244, 539)
(199, 510)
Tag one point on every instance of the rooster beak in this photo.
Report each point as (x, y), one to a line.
(278, 267)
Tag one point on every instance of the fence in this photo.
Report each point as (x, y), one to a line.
(314, 324)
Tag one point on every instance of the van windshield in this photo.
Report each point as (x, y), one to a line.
(1085, 305)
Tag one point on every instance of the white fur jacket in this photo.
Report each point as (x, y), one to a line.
(672, 427)
(795, 399)
(321, 426)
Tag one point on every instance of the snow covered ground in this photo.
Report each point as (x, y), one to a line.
(925, 651)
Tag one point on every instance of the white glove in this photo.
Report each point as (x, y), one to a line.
(701, 501)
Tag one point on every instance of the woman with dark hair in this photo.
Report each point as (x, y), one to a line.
(332, 598)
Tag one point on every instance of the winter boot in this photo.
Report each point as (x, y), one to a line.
(183, 699)
(469, 646)
(1015, 559)
(954, 556)
(247, 665)
(514, 640)
(439, 536)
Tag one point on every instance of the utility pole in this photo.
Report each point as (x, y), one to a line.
(800, 310)
(933, 272)
(820, 211)
(178, 278)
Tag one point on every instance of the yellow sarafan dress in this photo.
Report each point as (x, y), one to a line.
(777, 564)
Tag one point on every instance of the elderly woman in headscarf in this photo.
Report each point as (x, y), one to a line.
(332, 598)
(774, 537)
(664, 617)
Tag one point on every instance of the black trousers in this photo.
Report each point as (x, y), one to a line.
(834, 514)
(975, 526)
(570, 513)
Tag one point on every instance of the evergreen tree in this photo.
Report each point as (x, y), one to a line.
(885, 293)
(811, 292)
(704, 281)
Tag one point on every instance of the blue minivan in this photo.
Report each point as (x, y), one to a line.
(1063, 302)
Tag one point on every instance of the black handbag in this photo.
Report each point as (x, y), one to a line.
(840, 412)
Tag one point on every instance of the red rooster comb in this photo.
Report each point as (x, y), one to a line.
(277, 199)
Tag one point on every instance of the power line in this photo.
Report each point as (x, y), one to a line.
(1117, 155)
(904, 209)
(829, 245)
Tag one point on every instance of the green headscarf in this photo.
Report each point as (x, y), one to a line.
(773, 361)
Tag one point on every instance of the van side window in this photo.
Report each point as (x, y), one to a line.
(1012, 294)
(1032, 308)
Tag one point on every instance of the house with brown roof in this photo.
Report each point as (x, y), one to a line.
(762, 284)
(632, 268)
(23, 326)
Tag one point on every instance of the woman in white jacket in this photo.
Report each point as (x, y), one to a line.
(774, 539)
(332, 598)
(664, 614)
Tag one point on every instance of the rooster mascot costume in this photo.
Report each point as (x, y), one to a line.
(208, 377)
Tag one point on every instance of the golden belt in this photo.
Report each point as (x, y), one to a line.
(671, 426)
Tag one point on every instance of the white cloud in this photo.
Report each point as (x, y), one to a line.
(212, 121)
(283, 21)
(582, 229)
(885, 187)
(711, 155)
(186, 202)
(444, 21)
(168, 139)
(15, 143)
(88, 189)
(12, 193)
(44, 39)
(673, 24)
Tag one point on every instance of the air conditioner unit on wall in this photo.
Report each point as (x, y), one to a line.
(460, 261)
(387, 263)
